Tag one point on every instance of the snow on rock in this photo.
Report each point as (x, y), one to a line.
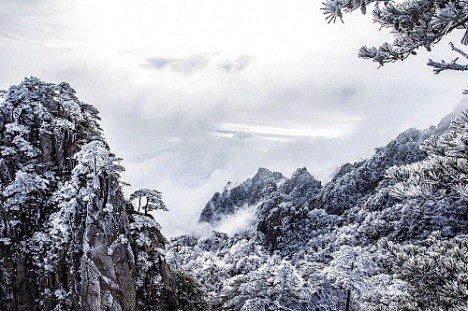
(66, 238)
(386, 233)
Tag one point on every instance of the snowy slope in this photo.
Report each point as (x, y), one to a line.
(369, 239)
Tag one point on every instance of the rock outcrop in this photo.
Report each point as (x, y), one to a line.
(275, 198)
(66, 239)
(235, 197)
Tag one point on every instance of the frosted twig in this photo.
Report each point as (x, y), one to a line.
(459, 51)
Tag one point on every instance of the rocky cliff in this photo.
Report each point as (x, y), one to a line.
(67, 241)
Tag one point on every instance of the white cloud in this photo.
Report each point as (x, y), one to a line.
(286, 88)
(185, 65)
(286, 130)
(242, 220)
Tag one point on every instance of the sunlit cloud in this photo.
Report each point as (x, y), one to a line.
(251, 136)
(286, 130)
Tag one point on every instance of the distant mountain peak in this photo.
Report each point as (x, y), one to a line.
(301, 173)
(266, 173)
(264, 187)
(461, 107)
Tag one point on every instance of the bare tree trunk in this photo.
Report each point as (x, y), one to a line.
(348, 299)
(348, 292)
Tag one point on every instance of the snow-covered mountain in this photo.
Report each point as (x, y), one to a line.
(385, 233)
(235, 197)
(69, 240)
(272, 195)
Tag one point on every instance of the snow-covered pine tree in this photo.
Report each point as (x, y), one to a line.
(413, 23)
(434, 272)
(444, 174)
(152, 200)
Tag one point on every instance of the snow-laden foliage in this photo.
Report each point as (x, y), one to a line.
(444, 174)
(436, 273)
(413, 23)
(154, 280)
(190, 293)
(354, 182)
(362, 242)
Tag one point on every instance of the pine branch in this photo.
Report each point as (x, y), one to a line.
(414, 23)
(459, 51)
(442, 65)
(438, 67)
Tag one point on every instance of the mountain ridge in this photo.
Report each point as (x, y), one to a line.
(373, 216)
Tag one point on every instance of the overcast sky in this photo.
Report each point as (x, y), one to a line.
(196, 93)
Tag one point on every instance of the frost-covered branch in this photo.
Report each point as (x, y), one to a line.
(442, 65)
(459, 51)
(453, 65)
(413, 23)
